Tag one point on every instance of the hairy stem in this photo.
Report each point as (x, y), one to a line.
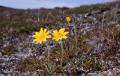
(48, 52)
(75, 32)
(62, 51)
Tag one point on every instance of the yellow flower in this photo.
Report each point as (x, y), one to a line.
(68, 19)
(41, 36)
(59, 34)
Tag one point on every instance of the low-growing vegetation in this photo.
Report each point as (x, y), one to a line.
(88, 43)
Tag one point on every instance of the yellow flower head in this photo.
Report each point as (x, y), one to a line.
(59, 34)
(41, 36)
(68, 19)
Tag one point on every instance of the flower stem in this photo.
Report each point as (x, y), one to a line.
(62, 52)
(48, 52)
(75, 33)
(76, 40)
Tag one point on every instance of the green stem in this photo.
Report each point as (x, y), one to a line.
(75, 32)
(48, 51)
(62, 52)
(76, 40)
(38, 17)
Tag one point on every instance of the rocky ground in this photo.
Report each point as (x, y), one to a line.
(102, 34)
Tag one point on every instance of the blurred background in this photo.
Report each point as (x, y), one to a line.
(92, 48)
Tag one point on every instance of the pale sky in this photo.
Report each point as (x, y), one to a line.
(24, 4)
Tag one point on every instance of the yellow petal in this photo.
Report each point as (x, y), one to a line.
(65, 33)
(62, 30)
(45, 30)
